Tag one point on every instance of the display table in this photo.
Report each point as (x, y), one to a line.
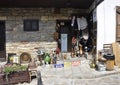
(15, 77)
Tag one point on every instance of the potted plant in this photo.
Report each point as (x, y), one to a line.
(13, 68)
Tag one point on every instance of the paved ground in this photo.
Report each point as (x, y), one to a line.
(76, 75)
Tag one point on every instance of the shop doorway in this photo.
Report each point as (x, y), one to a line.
(64, 27)
(2, 41)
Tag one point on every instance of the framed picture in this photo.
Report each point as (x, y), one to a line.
(11, 57)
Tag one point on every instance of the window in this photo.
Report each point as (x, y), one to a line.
(31, 25)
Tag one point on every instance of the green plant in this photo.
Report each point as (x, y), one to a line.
(7, 70)
(14, 68)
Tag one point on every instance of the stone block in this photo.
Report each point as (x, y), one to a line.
(44, 18)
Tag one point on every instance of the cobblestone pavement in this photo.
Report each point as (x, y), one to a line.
(104, 80)
(76, 75)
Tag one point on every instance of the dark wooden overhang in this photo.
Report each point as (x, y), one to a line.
(81, 4)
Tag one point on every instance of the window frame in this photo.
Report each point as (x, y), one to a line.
(31, 25)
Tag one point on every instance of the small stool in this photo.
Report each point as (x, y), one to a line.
(33, 72)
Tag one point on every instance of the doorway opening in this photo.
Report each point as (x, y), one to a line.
(75, 38)
(2, 41)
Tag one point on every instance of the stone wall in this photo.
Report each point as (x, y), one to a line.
(18, 41)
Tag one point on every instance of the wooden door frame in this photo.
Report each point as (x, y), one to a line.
(3, 52)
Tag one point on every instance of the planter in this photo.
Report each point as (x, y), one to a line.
(15, 77)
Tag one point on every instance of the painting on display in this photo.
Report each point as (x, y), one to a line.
(64, 42)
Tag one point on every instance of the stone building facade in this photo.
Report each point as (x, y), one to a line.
(18, 41)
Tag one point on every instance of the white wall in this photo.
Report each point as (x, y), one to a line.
(106, 20)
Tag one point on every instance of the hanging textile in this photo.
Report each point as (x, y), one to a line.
(82, 23)
(74, 23)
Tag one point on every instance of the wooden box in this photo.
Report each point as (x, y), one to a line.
(22, 76)
(15, 77)
(110, 65)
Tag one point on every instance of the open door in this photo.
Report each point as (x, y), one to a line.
(64, 30)
(2, 41)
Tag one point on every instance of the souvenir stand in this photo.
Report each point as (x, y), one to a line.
(80, 36)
